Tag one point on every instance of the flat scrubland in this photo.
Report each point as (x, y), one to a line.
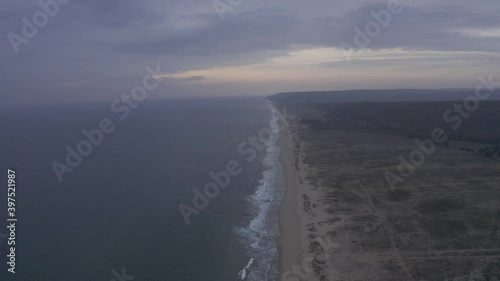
(441, 223)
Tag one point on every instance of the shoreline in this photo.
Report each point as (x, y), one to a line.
(290, 240)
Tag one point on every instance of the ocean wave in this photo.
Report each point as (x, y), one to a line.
(260, 235)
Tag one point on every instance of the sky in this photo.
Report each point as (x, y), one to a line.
(85, 50)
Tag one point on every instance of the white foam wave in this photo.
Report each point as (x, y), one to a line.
(262, 231)
(243, 272)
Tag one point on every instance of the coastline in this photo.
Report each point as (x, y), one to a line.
(290, 224)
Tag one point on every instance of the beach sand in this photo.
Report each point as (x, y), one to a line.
(296, 223)
(290, 240)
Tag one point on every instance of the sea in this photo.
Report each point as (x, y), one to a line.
(116, 213)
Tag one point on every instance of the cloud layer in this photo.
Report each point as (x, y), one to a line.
(107, 43)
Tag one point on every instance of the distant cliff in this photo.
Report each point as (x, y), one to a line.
(374, 96)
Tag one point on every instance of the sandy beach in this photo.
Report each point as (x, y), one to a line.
(299, 255)
(290, 240)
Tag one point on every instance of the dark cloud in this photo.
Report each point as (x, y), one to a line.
(112, 40)
(245, 32)
(427, 28)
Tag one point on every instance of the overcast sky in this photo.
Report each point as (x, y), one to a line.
(96, 49)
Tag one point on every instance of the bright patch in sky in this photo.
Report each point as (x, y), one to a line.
(328, 64)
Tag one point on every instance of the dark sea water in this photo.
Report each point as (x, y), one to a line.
(119, 208)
